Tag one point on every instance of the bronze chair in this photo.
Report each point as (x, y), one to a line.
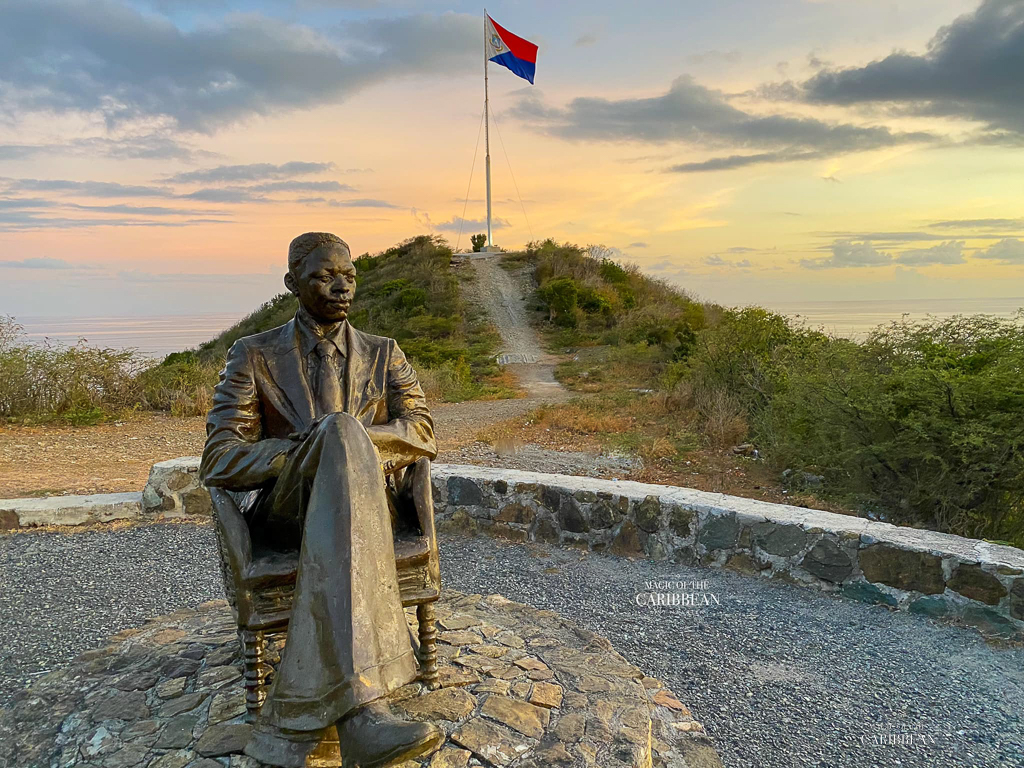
(260, 585)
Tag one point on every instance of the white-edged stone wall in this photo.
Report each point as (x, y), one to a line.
(934, 574)
(931, 573)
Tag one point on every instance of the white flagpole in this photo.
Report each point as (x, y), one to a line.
(487, 137)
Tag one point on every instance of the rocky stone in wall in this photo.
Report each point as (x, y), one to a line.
(977, 584)
(828, 561)
(174, 489)
(903, 569)
(1017, 600)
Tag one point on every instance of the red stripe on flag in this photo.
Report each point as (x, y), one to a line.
(517, 46)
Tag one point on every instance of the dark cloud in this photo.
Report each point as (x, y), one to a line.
(691, 113)
(973, 68)
(1006, 251)
(995, 224)
(105, 58)
(251, 172)
(951, 252)
(468, 225)
(846, 253)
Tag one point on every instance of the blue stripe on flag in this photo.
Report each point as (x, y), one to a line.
(525, 69)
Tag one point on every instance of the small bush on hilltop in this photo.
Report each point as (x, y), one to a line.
(921, 424)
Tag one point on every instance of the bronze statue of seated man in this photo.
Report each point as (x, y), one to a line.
(313, 416)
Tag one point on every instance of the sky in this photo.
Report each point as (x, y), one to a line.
(157, 156)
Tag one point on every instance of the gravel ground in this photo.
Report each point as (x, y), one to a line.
(63, 593)
(781, 677)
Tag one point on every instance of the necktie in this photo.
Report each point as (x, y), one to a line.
(329, 398)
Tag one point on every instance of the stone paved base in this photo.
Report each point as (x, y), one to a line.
(521, 688)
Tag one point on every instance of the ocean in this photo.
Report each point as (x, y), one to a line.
(160, 335)
(856, 319)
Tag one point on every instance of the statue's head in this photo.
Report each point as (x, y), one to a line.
(321, 274)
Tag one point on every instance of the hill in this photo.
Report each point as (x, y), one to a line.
(921, 424)
(409, 292)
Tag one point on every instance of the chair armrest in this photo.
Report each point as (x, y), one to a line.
(423, 501)
(237, 543)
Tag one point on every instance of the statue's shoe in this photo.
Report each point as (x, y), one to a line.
(372, 737)
(284, 749)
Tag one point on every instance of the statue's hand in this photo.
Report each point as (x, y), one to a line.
(300, 437)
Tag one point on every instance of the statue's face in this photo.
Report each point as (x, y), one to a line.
(325, 283)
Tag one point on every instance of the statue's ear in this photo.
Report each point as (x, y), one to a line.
(290, 284)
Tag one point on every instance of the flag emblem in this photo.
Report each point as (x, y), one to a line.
(511, 51)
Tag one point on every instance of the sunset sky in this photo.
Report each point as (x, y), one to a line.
(157, 156)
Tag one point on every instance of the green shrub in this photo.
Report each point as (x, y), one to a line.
(560, 294)
(923, 422)
(77, 384)
(478, 242)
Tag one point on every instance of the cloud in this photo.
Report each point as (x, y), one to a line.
(584, 40)
(226, 195)
(979, 223)
(250, 172)
(301, 186)
(149, 146)
(973, 69)
(86, 188)
(718, 261)
(18, 221)
(100, 57)
(944, 253)
(466, 225)
(38, 262)
(692, 113)
(359, 202)
(637, 245)
(885, 237)
(740, 249)
(1006, 251)
(846, 253)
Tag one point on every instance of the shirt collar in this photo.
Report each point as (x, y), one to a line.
(311, 332)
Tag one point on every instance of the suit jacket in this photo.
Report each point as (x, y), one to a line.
(263, 397)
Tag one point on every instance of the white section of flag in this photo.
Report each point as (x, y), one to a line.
(493, 44)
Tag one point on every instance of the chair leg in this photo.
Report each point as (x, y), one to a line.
(428, 645)
(253, 646)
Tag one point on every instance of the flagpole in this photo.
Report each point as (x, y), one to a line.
(487, 137)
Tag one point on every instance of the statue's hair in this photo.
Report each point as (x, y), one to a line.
(305, 244)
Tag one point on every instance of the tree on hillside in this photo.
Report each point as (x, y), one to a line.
(478, 241)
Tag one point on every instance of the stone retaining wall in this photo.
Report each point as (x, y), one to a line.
(935, 574)
(930, 573)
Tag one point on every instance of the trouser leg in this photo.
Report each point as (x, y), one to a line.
(348, 640)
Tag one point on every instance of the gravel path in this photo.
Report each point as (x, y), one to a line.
(782, 677)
